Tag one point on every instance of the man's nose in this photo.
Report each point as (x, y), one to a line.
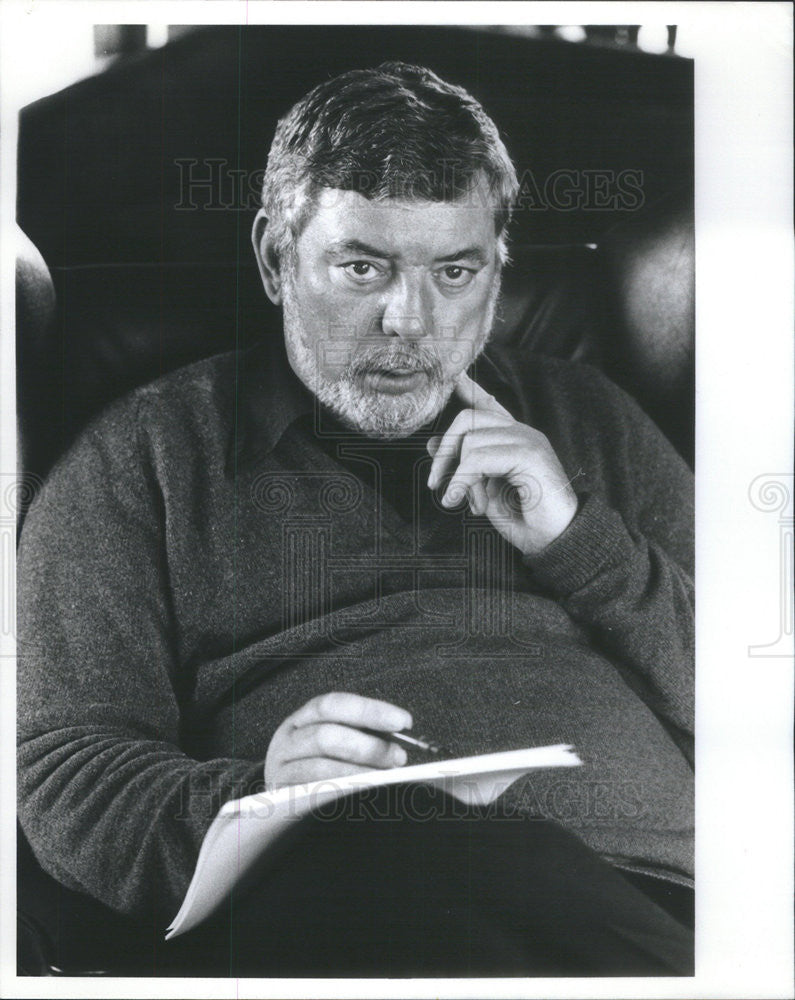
(407, 309)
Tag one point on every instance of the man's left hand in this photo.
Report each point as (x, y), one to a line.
(508, 471)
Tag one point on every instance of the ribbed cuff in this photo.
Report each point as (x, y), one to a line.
(596, 540)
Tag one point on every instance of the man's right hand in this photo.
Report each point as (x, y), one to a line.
(323, 739)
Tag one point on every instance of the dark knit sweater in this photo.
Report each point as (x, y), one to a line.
(210, 555)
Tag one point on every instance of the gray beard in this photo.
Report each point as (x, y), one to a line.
(374, 414)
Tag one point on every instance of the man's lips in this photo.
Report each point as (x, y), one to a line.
(394, 381)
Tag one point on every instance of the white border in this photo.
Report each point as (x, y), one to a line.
(745, 364)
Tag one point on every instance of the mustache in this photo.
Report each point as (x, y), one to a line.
(385, 358)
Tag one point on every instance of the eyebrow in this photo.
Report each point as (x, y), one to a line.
(342, 247)
(468, 253)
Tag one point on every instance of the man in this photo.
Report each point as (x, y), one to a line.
(253, 567)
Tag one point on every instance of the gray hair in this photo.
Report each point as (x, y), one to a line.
(397, 131)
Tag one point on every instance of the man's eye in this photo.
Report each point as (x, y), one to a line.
(361, 270)
(455, 276)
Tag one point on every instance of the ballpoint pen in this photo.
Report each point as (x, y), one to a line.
(410, 741)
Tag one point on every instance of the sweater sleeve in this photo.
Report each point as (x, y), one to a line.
(110, 803)
(623, 567)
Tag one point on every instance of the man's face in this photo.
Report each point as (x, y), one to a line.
(387, 302)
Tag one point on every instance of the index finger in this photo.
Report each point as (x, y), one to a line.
(352, 710)
(475, 397)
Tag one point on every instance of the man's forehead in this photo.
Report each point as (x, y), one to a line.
(342, 217)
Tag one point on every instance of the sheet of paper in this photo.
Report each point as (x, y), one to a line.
(245, 829)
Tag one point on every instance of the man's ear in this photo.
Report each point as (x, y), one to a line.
(267, 258)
